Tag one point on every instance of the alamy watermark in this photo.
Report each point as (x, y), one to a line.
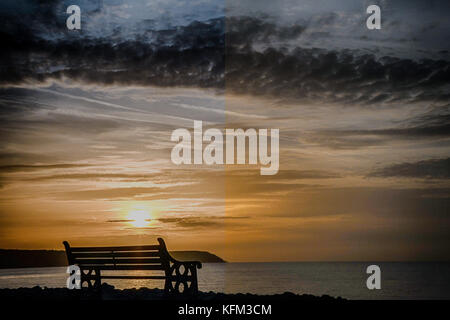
(235, 147)
(74, 278)
(73, 22)
(374, 280)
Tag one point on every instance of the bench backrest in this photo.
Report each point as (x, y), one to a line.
(149, 257)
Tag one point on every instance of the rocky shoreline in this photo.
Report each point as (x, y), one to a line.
(108, 292)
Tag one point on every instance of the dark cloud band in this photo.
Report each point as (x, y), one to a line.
(220, 53)
(426, 169)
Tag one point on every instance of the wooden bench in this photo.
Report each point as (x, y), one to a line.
(179, 276)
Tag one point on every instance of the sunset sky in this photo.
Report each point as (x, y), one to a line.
(86, 119)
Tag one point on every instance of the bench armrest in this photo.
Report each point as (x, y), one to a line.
(196, 264)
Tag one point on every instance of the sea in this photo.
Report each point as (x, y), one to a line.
(399, 280)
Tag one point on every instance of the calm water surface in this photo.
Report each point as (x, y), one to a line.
(346, 279)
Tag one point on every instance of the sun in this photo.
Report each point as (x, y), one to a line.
(139, 216)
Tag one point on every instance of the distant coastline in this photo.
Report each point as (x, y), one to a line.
(13, 258)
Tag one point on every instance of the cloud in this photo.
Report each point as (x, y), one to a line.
(245, 31)
(191, 222)
(24, 167)
(304, 174)
(167, 176)
(425, 169)
(96, 176)
(336, 76)
(366, 202)
(189, 184)
(198, 222)
(120, 220)
(428, 126)
(239, 54)
(191, 55)
(109, 194)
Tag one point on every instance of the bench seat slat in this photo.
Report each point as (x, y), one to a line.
(121, 267)
(187, 278)
(134, 277)
(123, 248)
(119, 261)
(140, 254)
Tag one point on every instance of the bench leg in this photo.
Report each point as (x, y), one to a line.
(167, 286)
(173, 286)
(93, 279)
(185, 280)
(194, 283)
(98, 280)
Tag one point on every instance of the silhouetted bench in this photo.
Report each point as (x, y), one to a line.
(179, 276)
